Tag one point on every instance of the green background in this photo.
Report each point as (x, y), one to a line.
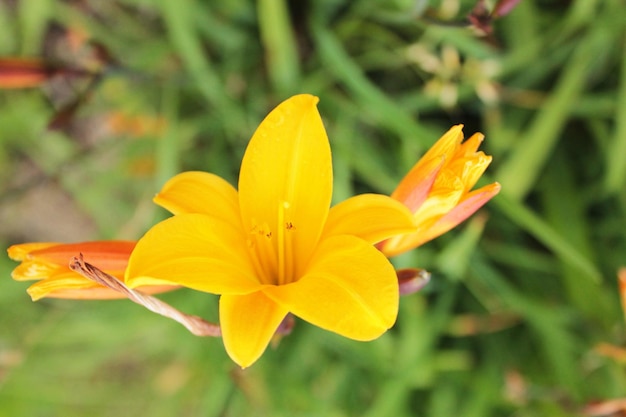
(522, 316)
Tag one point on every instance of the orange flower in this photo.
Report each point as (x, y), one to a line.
(48, 263)
(437, 190)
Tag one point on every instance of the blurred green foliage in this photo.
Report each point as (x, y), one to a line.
(523, 315)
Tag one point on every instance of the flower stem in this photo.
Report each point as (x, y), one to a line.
(196, 325)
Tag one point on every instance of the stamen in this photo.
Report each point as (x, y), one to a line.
(263, 256)
(281, 242)
(272, 249)
(288, 237)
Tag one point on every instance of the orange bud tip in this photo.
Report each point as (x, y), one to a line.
(23, 72)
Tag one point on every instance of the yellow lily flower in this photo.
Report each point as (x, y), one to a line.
(437, 189)
(48, 263)
(274, 246)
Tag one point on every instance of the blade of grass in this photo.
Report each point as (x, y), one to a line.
(566, 212)
(33, 17)
(379, 107)
(520, 172)
(179, 19)
(549, 326)
(615, 178)
(414, 363)
(167, 152)
(281, 54)
(456, 256)
(546, 234)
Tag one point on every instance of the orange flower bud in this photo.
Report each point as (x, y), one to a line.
(438, 192)
(23, 72)
(48, 263)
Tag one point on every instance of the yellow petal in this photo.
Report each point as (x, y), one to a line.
(474, 169)
(248, 323)
(416, 184)
(199, 192)
(31, 270)
(466, 207)
(70, 285)
(21, 251)
(470, 146)
(285, 186)
(371, 217)
(444, 196)
(413, 190)
(400, 244)
(195, 251)
(350, 289)
(440, 223)
(431, 211)
(445, 146)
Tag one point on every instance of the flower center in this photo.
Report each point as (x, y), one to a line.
(272, 250)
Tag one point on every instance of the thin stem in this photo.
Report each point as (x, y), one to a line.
(196, 325)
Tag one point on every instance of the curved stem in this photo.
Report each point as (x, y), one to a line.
(196, 325)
